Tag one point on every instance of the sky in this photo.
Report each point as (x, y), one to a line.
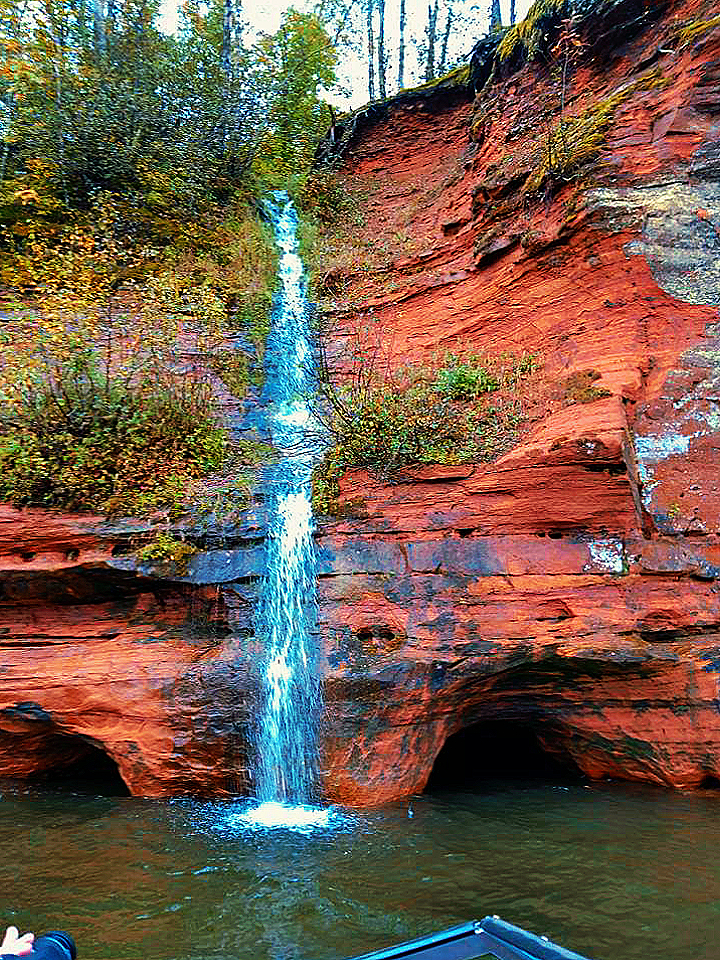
(265, 17)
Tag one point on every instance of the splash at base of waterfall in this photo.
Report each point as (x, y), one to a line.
(273, 814)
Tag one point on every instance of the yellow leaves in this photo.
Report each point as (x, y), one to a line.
(10, 46)
(23, 229)
(26, 196)
(41, 167)
(157, 200)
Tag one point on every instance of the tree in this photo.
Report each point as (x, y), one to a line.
(442, 64)
(495, 16)
(337, 17)
(382, 59)
(297, 63)
(401, 47)
(230, 34)
(431, 35)
(370, 4)
(99, 28)
(442, 39)
(114, 115)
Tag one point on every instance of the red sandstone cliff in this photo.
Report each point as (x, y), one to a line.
(570, 588)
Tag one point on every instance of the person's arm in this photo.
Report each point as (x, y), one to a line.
(14, 945)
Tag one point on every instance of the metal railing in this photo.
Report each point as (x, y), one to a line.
(478, 938)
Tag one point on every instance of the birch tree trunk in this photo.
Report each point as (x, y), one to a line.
(431, 32)
(370, 48)
(342, 21)
(381, 49)
(401, 47)
(98, 15)
(231, 34)
(495, 16)
(512, 12)
(57, 31)
(442, 65)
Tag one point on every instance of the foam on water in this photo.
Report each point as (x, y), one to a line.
(274, 815)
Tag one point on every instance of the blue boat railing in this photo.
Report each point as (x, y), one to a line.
(479, 938)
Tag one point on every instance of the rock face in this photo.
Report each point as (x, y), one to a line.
(106, 671)
(569, 590)
(567, 594)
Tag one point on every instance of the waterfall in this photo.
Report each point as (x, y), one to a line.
(285, 773)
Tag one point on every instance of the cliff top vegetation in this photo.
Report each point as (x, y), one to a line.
(136, 273)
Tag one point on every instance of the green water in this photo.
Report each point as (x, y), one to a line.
(615, 872)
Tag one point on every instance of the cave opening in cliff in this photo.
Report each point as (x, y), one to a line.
(498, 750)
(91, 770)
(60, 761)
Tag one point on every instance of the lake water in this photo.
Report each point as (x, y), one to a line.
(616, 872)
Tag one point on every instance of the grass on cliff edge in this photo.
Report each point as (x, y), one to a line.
(461, 409)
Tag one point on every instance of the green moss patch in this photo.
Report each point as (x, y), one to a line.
(529, 35)
(168, 553)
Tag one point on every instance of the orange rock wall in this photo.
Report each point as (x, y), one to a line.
(571, 586)
(97, 653)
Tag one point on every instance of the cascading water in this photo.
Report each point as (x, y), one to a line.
(285, 773)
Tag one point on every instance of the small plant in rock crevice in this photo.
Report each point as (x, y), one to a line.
(580, 387)
(168, 552)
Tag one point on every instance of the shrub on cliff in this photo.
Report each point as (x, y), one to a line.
(324, 195)
(461, 410)
(89, 432)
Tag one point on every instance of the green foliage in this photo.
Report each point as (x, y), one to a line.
(295, 63)
(21, 463)
(250, 451)
(323, 195)
(77, 434)
(233, 370)
(464, 410)
(464, 379)
(148, 136)
(326, 479)
(166, 551)
(144, 103)
(130, 167)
